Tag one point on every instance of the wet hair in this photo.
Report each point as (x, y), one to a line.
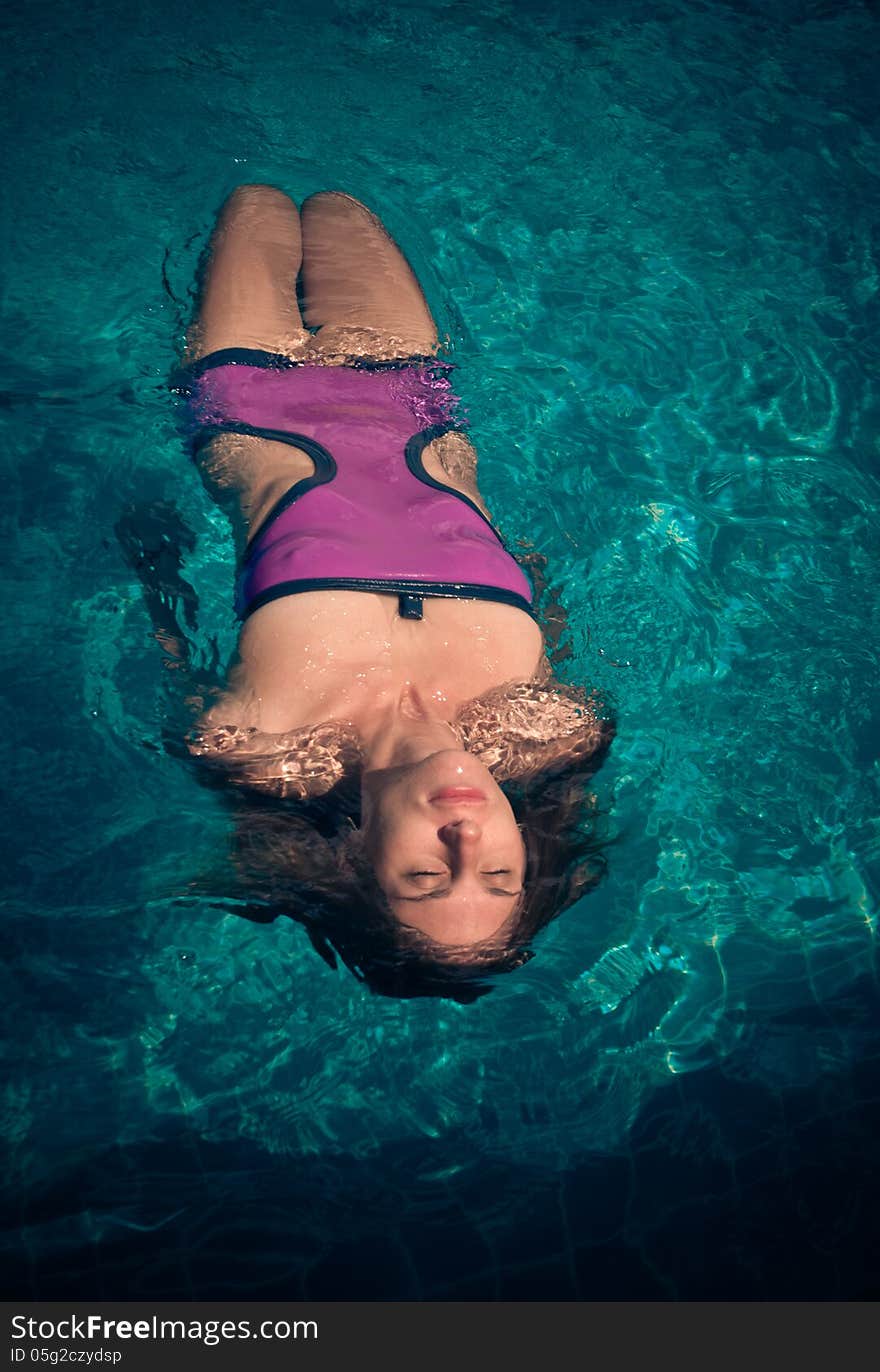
(307, 860)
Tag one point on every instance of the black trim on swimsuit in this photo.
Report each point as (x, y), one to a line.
(183, 377)
(325, 465)
(416, 590)
(413, 453)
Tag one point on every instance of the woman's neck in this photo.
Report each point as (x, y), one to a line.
(407, 730)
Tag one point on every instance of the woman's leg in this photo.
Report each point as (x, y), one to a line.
(248, 300)
(359, 291)
(362, 296)
(248, 289)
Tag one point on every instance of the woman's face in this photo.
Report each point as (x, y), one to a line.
(445, 846)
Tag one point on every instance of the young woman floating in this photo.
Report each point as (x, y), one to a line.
(392, 699)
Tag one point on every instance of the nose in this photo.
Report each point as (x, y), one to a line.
(459, 833)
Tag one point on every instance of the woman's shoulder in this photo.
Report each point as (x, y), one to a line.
(298, 764)
(528, 727)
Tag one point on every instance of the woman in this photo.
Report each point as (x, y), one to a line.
(388, 636)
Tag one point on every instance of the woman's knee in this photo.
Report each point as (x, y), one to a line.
(332, 199)
(257, 198)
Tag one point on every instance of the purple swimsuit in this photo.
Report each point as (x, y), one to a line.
(370, 517)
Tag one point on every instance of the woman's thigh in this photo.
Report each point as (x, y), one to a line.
(247, 296)
(358, 289)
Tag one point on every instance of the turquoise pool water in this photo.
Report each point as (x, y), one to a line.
(650, 232)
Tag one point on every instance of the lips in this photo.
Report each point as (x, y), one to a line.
(458, 795)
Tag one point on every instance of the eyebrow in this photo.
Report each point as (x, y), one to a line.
(438, 895)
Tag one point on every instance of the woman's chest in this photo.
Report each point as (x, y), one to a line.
(332, 654)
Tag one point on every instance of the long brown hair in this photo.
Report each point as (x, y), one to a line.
(306, 860)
